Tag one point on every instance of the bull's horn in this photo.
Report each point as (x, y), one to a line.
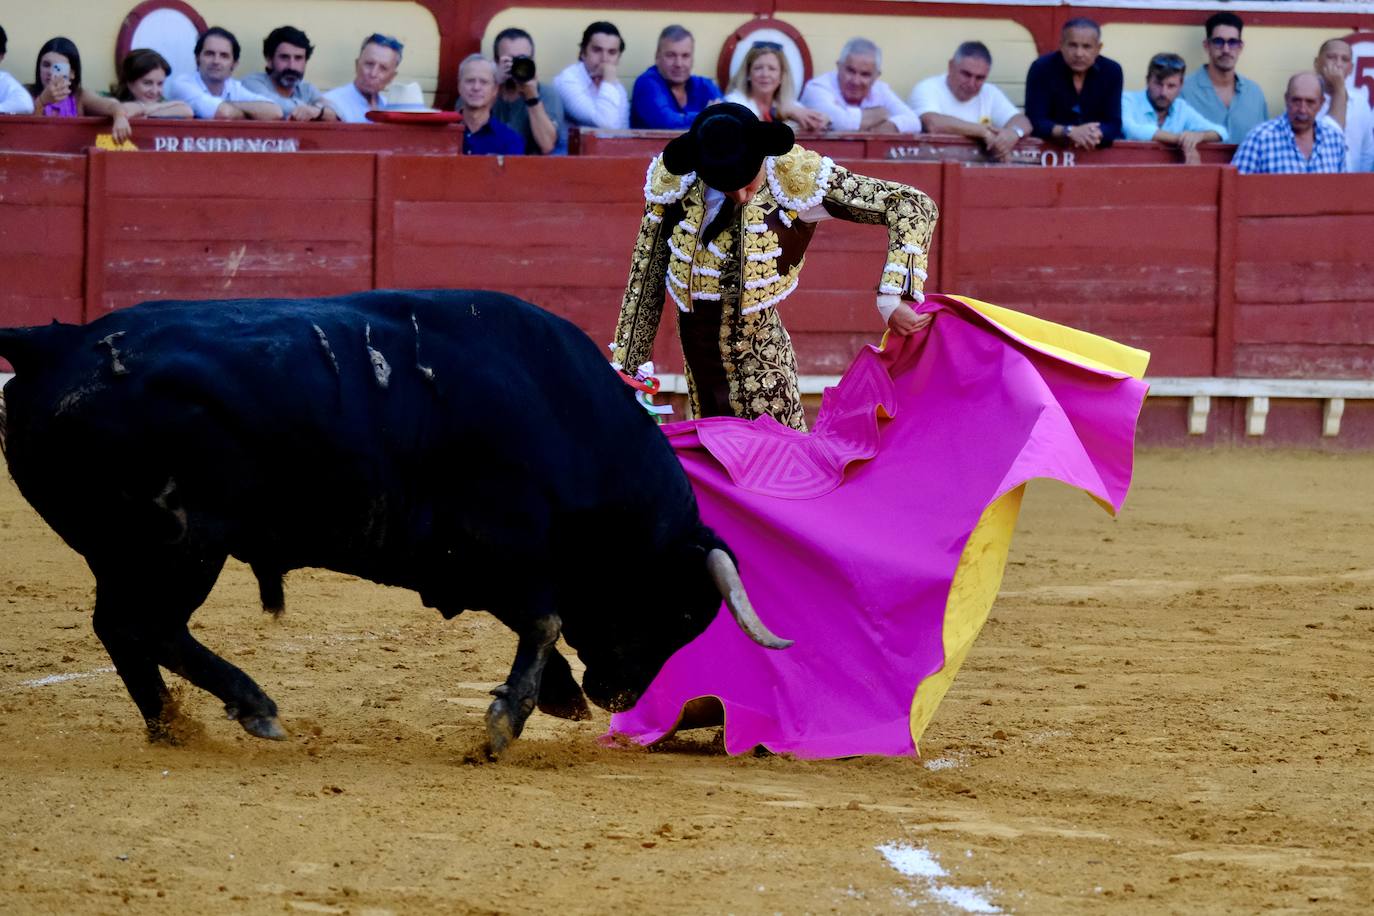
(726, 577)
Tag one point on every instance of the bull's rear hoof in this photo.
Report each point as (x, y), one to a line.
(501, 730)
(264, 727)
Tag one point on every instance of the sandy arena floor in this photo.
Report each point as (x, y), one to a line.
(1167, 713)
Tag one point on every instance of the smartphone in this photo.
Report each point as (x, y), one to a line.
(60, 68)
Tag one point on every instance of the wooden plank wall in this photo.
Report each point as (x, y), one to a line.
(1130, 253)
(557, 232)
(1214, 273)
(42, 237)
(196, 227)
(1305, 276)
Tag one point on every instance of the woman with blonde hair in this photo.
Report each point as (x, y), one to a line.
(764, 85)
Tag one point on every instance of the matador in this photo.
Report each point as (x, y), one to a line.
(730, 207)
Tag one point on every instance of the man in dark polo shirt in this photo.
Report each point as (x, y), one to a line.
(531, 109)
(1073, 95)
(483, 135)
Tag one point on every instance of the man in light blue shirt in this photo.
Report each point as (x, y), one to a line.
(1217, 91)
(1157, 113)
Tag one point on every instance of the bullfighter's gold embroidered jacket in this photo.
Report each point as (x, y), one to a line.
(754, 264)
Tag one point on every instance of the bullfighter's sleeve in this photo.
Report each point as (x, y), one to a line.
(909, 215)
(642, 307)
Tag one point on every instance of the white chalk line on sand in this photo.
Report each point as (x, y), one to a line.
(62, 678)
(920, 865)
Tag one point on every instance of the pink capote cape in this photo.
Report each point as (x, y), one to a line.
(848, 537)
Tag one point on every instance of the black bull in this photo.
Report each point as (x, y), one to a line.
(463, 444)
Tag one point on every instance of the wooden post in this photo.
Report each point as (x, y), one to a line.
(384, 222)
(1224, 327)
(93, 274)
(947, 232)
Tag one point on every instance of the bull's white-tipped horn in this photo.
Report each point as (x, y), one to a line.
(726, 577)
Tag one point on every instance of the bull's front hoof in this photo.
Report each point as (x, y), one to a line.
(264, 727)
(501, 730)
(161, 732)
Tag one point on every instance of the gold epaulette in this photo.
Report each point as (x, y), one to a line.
(662, 186)
(799, 178)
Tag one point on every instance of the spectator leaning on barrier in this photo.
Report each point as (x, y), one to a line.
(378, 60)
(14, 98)
(483, 135)
(142, 76)
(590, 88)
(962, 101)
(522, 102)
(212, 91)
(853, 97)
(1297, 142)
(287, 50)
(667, 96)
(1157, 113)
(1217, 91)
(1073, 95)
(1345, 104)
(763, 84)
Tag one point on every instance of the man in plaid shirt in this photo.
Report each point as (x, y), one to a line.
(1298, 142)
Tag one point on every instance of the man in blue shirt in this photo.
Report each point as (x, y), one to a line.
(483, 135)
(1217, 91)
(1298, 142)
(1157, 113)
(667, 96)
(1073, 95)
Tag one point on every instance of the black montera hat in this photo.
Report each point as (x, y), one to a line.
(726, 146)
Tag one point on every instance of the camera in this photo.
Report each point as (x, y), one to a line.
(522, 69)
(60, 68)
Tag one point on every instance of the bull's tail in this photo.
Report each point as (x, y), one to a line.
(27, 350)
(269, 588)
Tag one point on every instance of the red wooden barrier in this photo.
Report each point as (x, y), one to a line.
(180, 137)
(42, 237)
(246, 225)
(1304, 266)
(1260, 276)
(921, 147)
(1126, 252)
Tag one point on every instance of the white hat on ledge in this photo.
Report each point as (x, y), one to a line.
(406, 97)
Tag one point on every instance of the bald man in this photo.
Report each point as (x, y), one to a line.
(1346, 104)
(1298, 142)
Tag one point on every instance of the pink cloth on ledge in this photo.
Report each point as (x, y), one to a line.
(848, 537)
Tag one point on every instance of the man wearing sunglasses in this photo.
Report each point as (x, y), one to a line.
(1217, 91)
(375, 68)
(1157, 113)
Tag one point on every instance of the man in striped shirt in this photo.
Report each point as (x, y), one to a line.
(1298, 142)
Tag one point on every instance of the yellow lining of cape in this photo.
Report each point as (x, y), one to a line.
(978, 577)
(1066, 343)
